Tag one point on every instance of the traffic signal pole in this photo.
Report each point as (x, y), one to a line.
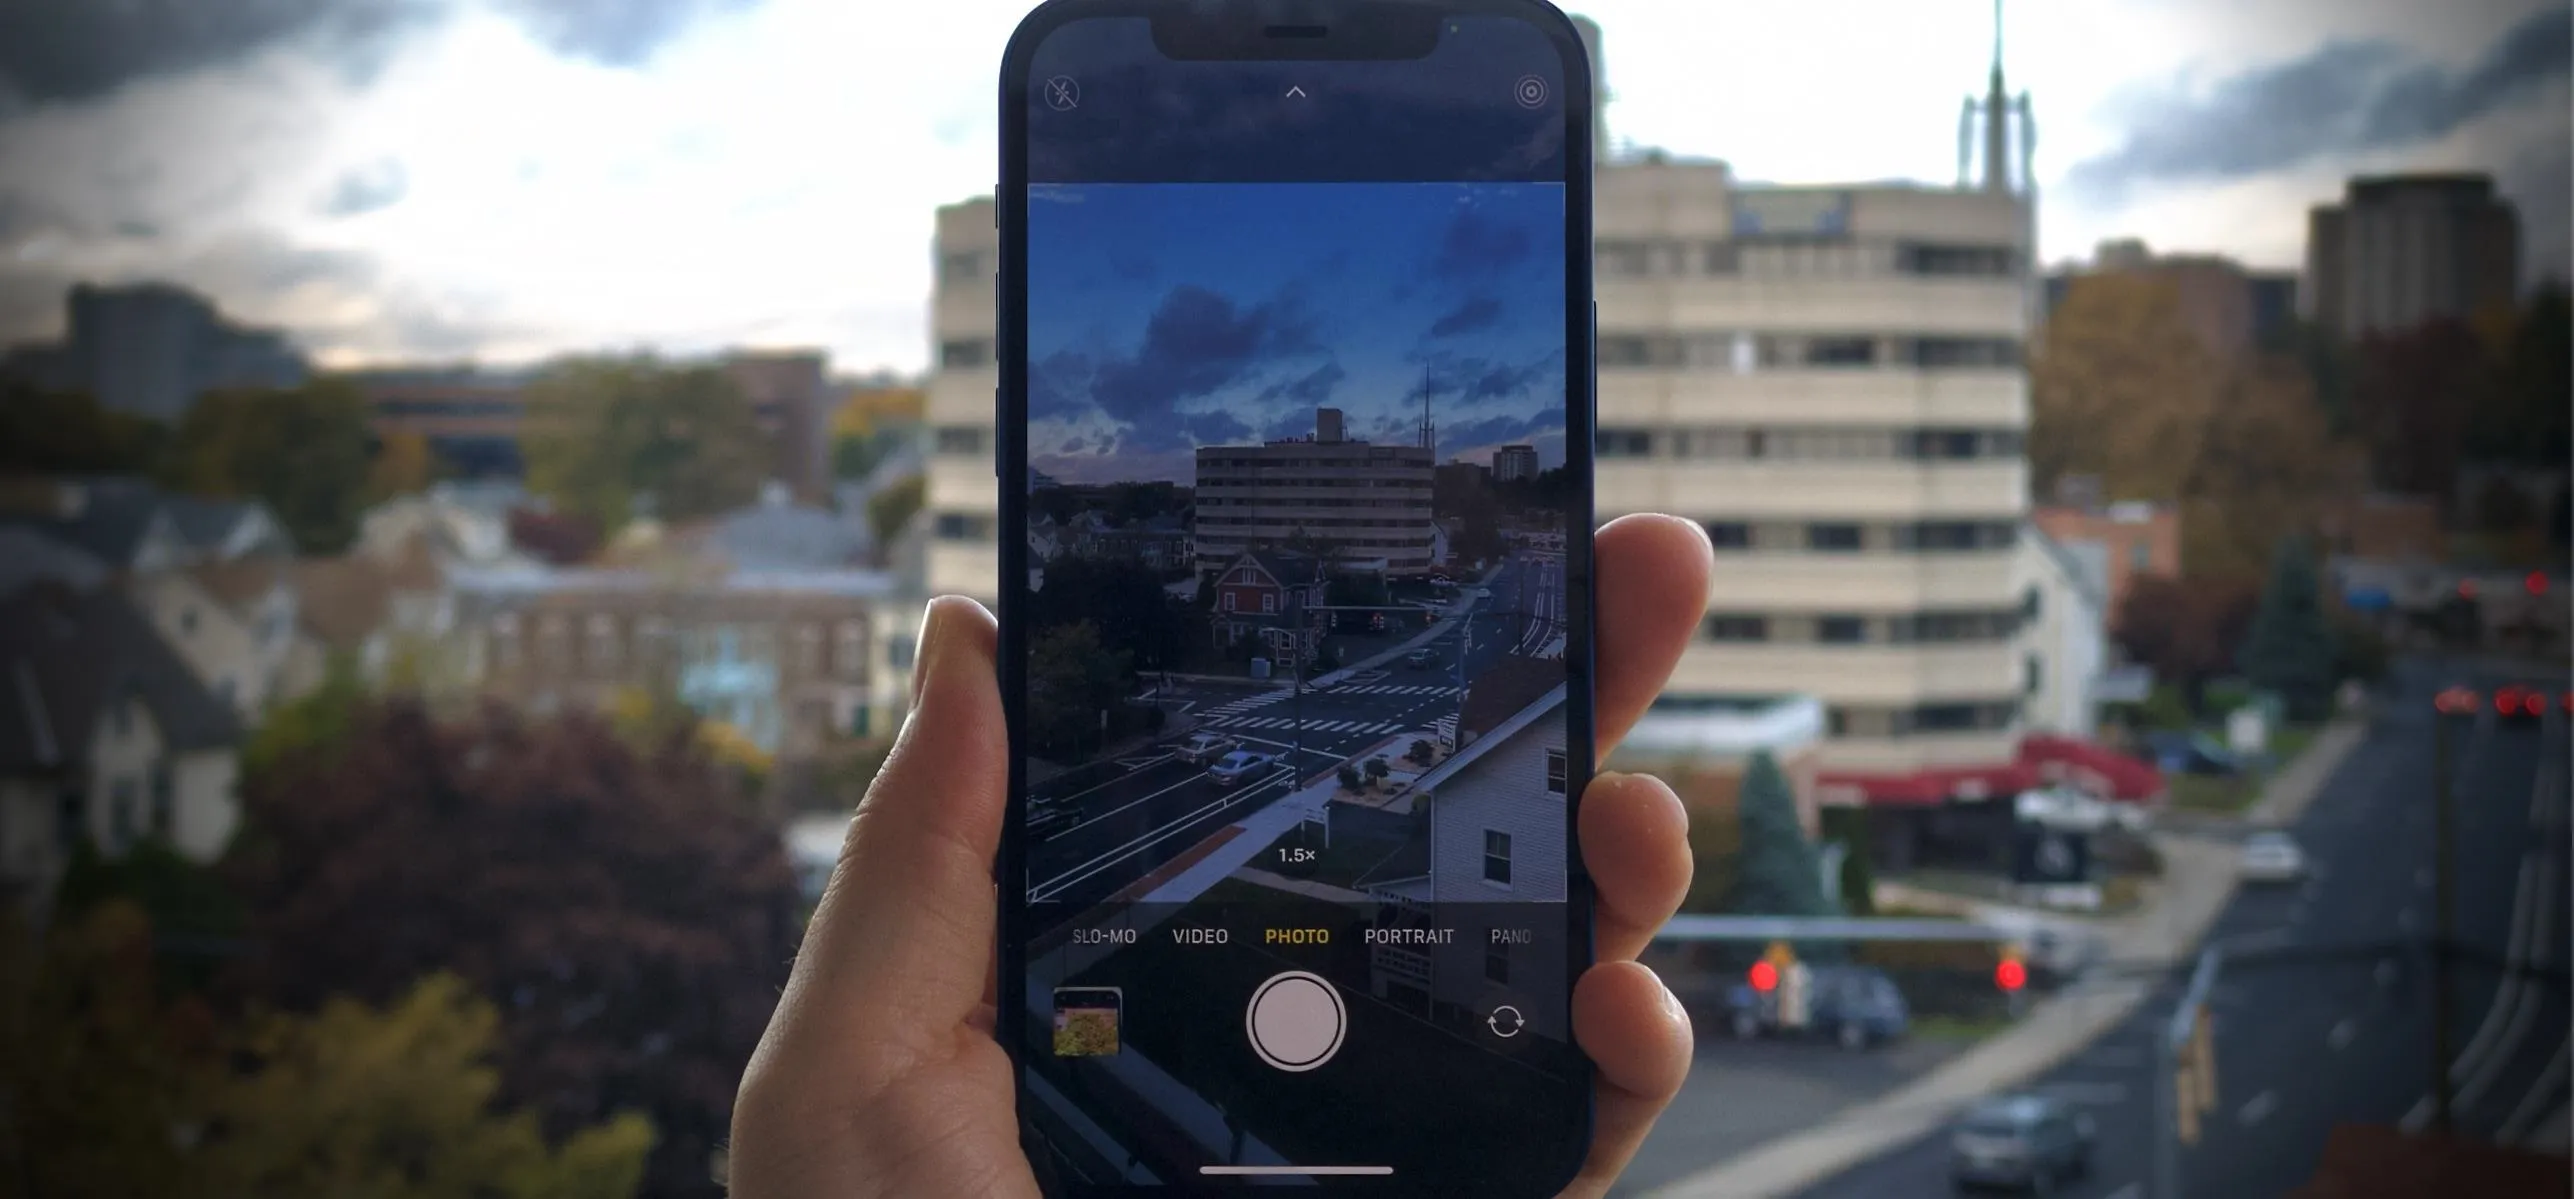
(2444, 907)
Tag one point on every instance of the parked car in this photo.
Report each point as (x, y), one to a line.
(2026, 1142)
(2271, 857)
(1239, 766)
(1202, 748)
(1418, 659)
(1855, 1006)
(2190, 753)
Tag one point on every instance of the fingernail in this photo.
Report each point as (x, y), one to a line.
(927, 651)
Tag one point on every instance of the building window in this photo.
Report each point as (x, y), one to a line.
(165, 802)
(1625, 443)
(1225, 602)
(1841, 351)
(603, 647)
(899, 651)
(849, 650)
(1836, 722)
(1622, 352)
(504, 640)
(1496, 856)
(962, 266)
(963, 526)
(1268, 603)
(1834, 538)
(1729, 534)
(1558, 772)
(1936, 353)
(1622, 259)
(964, 439)
(1736, 628)
(1917, 258)
(553, 641)
(2031, 603)
(2034, 675)
(1497, 963)
(965, 353)
(2140, 555)
(1840, 630)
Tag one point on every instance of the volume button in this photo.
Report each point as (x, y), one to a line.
(996, 430)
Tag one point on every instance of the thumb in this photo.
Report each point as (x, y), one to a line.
(902, 940)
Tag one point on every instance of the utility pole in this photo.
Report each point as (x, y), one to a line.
(2444, 928)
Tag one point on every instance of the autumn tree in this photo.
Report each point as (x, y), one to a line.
(620, 435)
(2267, 467)
(404, 465)
(2120, 388)
(116, 1090)
(2415, 390)
(891, 509)
(624, 907)
(302, 451)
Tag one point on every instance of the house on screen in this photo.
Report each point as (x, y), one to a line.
(1268, 595)
(1494, 825)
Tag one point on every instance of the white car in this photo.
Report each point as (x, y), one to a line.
(2271, 858)
(1203, 748)
(1239, 767)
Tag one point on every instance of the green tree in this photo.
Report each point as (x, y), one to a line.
(399, 1103)
(304, 452)
(309, 730)
(891, 509)
(1072, 678)
(404, 465)
(49, 431)
(607, 432)
(2291, 649)
(1849, 827)
(1777, 874)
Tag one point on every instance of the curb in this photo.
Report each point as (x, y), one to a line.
(2055, 1029)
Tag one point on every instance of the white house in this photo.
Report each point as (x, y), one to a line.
(2064, 631)
(106, 737)
(1497, 827)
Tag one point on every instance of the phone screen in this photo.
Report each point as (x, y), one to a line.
(1296, 416)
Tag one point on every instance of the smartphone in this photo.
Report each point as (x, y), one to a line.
(1295, 437)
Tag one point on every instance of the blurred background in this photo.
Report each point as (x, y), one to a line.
(470, 471)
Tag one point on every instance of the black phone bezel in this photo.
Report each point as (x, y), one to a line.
(1272, 30)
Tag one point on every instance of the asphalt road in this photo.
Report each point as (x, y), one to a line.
(2323, 1010)
(1159, 806)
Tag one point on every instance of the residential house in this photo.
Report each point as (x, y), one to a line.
(777, 533)
(461, 523)
(28, 557)
(2064, 631)
(1269, 595)
(1495, 826)
(132, 526)
(790, 658)
(380, 618)
(106, 737)
(232, 623)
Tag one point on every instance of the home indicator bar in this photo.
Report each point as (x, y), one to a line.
(1296, 1171)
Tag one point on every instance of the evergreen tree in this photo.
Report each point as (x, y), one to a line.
(2290, 650)
(1776, 874)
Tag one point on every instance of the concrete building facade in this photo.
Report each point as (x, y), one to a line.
(964, 392)
(2400, 250)
(151, 349)
(1366, 505)
(1831, 381)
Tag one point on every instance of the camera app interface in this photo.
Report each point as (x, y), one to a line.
(1298, 711)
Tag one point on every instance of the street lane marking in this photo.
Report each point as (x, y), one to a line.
(2259, 1108)
(1062, 882)
(2340, 1037)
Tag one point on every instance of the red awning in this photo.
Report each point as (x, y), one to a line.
(1931, 786)
(2091, 766)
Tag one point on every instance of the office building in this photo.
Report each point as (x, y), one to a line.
(963, 557)
(151, 349)
(1831, 380)
(2400, 250)
(1366, 505)
(1514, 463)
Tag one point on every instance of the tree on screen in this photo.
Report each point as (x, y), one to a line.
(623, 906)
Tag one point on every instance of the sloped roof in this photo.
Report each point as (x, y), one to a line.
(66, 657)
(28, 556)
(340, 601)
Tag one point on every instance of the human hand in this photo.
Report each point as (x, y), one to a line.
(879, 1074)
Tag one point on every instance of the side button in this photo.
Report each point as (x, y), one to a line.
(996, 430)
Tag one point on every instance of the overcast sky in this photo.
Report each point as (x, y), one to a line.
(507, 179)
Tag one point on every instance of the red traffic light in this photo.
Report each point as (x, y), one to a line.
(1765, 977)
(2536, 582)
(2010, 975)
(2456, 701)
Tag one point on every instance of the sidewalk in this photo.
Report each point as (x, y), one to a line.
(2198, 881)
